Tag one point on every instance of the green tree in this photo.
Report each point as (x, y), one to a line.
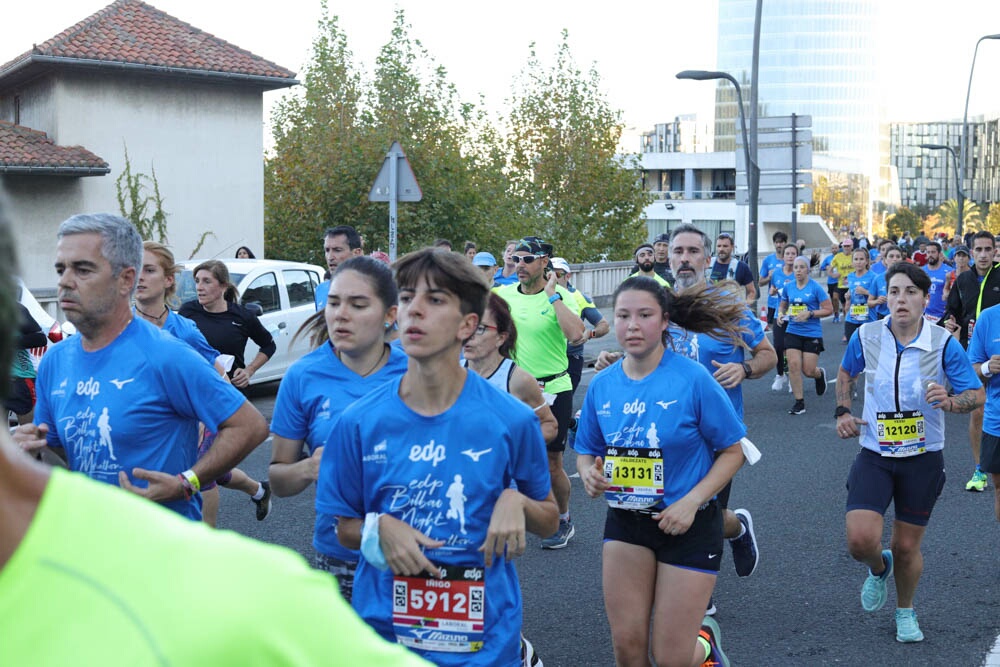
(578, 193)
(902, 221)
(972, 216)
(140, 207)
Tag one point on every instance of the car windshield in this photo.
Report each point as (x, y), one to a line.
(185, 284)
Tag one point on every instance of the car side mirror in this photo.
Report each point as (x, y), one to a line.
(254, 307)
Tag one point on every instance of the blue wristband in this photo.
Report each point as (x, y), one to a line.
(555, 297)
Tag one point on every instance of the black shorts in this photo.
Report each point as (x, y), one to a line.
(700, 548)
(21, 397)
(841, 292)
(989, 453)
(832, 290)
(575, 369)
(912, 483)
(849, 329)
(804, 343)
(562, 410)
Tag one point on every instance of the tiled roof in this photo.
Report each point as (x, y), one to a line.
(23, 149)
(133, 32)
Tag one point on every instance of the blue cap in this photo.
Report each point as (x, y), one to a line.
(484, 259)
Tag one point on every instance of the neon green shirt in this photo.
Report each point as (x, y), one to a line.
(541, 344)
(656, 276)
(105, 578)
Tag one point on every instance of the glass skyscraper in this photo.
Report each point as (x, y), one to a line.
(817, 57)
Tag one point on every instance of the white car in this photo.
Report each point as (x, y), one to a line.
(285, 293)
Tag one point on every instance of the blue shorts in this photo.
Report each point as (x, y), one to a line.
(913, 484)
(700, 548)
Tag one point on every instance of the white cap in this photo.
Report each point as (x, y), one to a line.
(560, 264)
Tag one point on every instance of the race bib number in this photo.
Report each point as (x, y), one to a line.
(634, 476)
(900, 434)
(859, 312)
(440, 614)
(796, 309)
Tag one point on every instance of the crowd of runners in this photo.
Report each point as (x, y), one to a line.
(434, 412)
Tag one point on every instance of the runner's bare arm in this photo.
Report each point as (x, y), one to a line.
(289, 473)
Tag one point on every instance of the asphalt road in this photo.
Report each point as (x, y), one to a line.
(802, 606)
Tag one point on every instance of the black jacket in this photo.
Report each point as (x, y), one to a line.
(963, 299)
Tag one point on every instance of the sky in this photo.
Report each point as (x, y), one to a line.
(927, 45)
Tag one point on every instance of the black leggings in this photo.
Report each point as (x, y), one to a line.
(779, 340)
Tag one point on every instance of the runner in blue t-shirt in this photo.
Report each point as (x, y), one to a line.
(352, 361)
(803, 304)
(770, 264)
(860, 286)
(984, 353)
(907, 363)
(878, 301)
(779, 277)
(937, 270)
(659, 450)
(123, 399)
(437, 477)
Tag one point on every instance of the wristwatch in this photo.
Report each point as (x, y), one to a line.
(841, 411)
(747, 370)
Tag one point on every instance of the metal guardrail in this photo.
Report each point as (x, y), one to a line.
(599, 279)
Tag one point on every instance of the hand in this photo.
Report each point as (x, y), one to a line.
(605, 359)
(936, 395)
(773, 291)
(849, 426)
(402, 546)
(314, 460)
(163, 487)
(594, 482)
(241, 378)
(950, 324)
(995, 364)
(31, 438)
(728, 375)
(781, 320)
(505, 534)
(883, 299)
(550, 284)
(861, 291)
(802, 317)
(678, 517)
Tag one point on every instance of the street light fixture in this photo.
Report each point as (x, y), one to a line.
(753, 172)
(958, 182)
(965, 126)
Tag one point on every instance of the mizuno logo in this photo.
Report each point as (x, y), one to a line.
(121, 383)
(475, 455)
(665, 404)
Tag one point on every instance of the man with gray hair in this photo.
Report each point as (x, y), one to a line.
(123, 399)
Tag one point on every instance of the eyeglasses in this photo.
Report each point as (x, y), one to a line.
(481, 329)
(527, 259)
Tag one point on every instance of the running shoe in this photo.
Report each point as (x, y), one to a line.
(836, 318)
(264, 504)
(978, 481)
(821, 382)
(907, 628)
(874, 593)
(711, 608)
(745, 554)
(798, 408)
(780, 382)
(562, 536)
(711, 633)
(528, 656)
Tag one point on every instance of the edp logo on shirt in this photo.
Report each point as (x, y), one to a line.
(429, 452)
(90, 388)
(636, 407)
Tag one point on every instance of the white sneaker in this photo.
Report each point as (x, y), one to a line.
(780, 382)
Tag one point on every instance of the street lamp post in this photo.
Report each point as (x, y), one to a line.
(753, 172)
(958, 181)
(965, 127)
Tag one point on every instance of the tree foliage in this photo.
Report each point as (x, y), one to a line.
(330, 138)
(140, 207)
(972, 216)
(579, 193)
(902, 221)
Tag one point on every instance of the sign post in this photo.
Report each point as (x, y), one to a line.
(394, 183)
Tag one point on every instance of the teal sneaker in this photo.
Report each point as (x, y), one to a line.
(712, 635)
(978, 481)
(874, 593)
(907, 628)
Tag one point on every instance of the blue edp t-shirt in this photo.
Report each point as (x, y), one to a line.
(810, 296)
(860, 300)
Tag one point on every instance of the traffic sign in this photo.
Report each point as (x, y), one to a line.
(778, 158)
(406, 183)
(775, 178)
(782, 137)
(766, 197)
(783, 122)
